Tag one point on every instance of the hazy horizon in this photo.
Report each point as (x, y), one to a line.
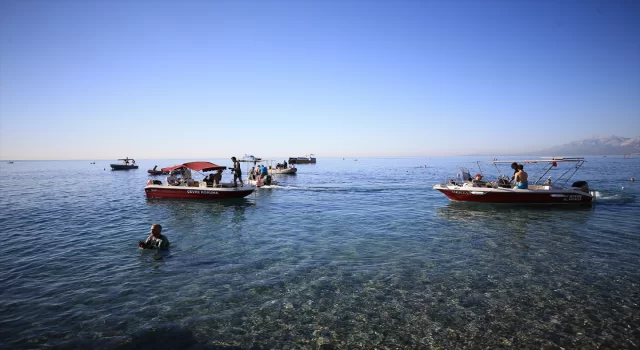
(190, 80)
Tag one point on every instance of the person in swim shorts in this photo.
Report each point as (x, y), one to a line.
(521, 178)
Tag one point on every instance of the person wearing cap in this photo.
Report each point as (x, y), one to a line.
(478, 180)
(156, 239)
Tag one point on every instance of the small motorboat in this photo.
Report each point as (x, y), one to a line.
(125, 164)
(155, 171)
(539, 191)
(289, 170)
(187, 188)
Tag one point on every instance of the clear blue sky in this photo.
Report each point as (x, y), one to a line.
(191, 79)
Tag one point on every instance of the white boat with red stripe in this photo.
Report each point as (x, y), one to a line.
(552, 190)
(187, 188)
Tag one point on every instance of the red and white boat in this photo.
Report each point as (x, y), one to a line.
(540, 191)
(190, 189)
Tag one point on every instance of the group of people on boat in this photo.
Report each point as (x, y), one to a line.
(259, 171)
(282, 165)
(520, 179)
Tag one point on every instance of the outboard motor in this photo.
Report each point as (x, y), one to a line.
(582, 185)
(267, 180)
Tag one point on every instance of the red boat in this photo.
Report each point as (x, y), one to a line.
(465, 189)
(187, 188)
(154, 171)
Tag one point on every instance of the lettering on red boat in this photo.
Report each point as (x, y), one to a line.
(576, 197)
(201, 192)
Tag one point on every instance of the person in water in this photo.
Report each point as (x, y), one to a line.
(521, 178)
(156, 239)
(237, 172)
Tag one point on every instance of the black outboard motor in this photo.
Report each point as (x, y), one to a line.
(582, 185)
(267, 180)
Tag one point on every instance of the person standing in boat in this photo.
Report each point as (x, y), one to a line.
(264, 171)
(521, 178)
(284, 164)
(156, 239)
(237, 172)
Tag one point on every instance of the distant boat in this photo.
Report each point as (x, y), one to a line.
(248, 158)
(155, 171)
(10, 162)
(308, 159)
(125, 164)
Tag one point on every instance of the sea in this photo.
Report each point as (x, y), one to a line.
(346, 254)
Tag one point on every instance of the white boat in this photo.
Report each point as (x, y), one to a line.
(540, 191)
(289, 170)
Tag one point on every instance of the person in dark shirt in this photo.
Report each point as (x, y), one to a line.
(156, 239)
(514, 166)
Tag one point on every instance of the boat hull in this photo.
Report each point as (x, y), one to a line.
(514, 196)
(123, 167)
(156, 172)
(207, 193)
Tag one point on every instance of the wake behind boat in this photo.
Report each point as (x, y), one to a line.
(187, 188)
(539, 192)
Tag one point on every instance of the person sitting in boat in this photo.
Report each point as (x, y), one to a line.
(521, 178)
(172, 180)
(213, 180)
(514, 166)
(156, 239)
(478, 180)
(217, 177)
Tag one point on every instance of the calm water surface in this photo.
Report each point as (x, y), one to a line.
(345, 254)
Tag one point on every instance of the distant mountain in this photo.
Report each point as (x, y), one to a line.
(596, 146)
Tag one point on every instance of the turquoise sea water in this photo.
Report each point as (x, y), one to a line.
(345, 254)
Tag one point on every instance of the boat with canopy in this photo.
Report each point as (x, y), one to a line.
(185, 187)
(552, 190)
(125, 164)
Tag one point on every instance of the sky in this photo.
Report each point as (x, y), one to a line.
(207, 79)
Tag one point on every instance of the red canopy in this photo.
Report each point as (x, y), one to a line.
(197, 166)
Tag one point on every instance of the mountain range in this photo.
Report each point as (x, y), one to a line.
(594, 146)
